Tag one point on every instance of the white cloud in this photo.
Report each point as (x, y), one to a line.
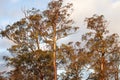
(86, 8)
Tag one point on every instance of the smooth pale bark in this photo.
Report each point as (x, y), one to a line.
(54, 46)
(54, 53)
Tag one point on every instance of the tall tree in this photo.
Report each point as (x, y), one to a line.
(103, 49)
(30, 58)
(59, 25)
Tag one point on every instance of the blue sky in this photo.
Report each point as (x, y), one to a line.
(11, 11)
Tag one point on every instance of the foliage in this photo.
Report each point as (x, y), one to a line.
(103, 49)
(30, 58)
(75, 59)
(36, 55)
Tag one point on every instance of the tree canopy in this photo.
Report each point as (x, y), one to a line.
(37, 56)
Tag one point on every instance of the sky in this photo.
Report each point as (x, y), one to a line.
(11, 11)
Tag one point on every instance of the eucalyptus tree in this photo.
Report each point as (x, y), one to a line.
(103, 49)
(59, 25)
(35, 36)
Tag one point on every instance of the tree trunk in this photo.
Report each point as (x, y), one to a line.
(54, 52)
(54, 43)
(116, 74)
(102, 76)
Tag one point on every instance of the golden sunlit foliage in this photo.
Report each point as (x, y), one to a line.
(103, 49)
(37, 56)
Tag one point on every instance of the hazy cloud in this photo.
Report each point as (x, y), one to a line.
(86, 8)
